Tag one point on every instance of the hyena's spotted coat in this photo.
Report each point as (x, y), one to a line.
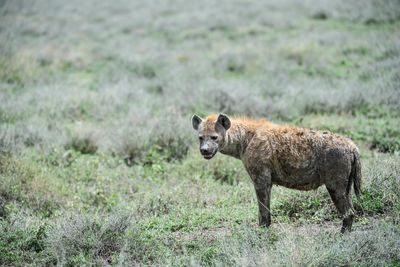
(293, 157)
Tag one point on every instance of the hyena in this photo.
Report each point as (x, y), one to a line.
(284, 155)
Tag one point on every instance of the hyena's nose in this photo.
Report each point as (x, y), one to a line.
(204, 151)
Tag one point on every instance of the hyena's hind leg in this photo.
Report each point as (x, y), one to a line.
(341, 197)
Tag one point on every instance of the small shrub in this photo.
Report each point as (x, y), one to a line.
(386, 144)
(294, 205)
(10, 73)
(229, 63)
(380, 186)
(156, 206)
(224, 102)
(320, 15)
(25, 184)
(226, 170)
(158, 139)
(146, 70)
(39, 133)
(5, 117)
(84, 144)
(209, 254)
(142, 248)
(88, 239)
(83, 138)
(23, 240)
(377, 246)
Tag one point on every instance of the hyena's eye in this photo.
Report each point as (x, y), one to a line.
(201, 138)
(214, 137)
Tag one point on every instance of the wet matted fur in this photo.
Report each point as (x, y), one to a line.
(293, 157)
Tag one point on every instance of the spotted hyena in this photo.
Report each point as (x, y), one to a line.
(289, 156)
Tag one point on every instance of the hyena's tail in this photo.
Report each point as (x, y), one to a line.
(355, 174)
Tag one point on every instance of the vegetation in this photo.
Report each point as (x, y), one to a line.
(98, 161)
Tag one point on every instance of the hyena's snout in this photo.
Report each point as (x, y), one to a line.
(207, 151)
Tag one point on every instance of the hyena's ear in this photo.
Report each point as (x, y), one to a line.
(224, 121)
(196, 120)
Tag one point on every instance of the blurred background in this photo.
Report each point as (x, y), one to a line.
(124, 72)
(95, 105)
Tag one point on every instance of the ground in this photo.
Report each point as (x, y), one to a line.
(99, 164)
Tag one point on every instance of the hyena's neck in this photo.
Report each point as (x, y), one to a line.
(236, 140)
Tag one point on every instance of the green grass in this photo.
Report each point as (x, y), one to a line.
(99, 164)
(169, 210)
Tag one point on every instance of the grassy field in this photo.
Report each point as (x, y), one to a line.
(99, 164)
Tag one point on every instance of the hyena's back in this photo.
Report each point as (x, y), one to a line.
(301, 158)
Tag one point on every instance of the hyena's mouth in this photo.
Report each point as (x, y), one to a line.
(209, 156)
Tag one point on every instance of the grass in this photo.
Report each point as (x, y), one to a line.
(98, 161)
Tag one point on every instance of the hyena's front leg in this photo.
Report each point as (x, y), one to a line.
(262, 185)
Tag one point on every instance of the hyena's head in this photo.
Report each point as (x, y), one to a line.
(211, 133)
